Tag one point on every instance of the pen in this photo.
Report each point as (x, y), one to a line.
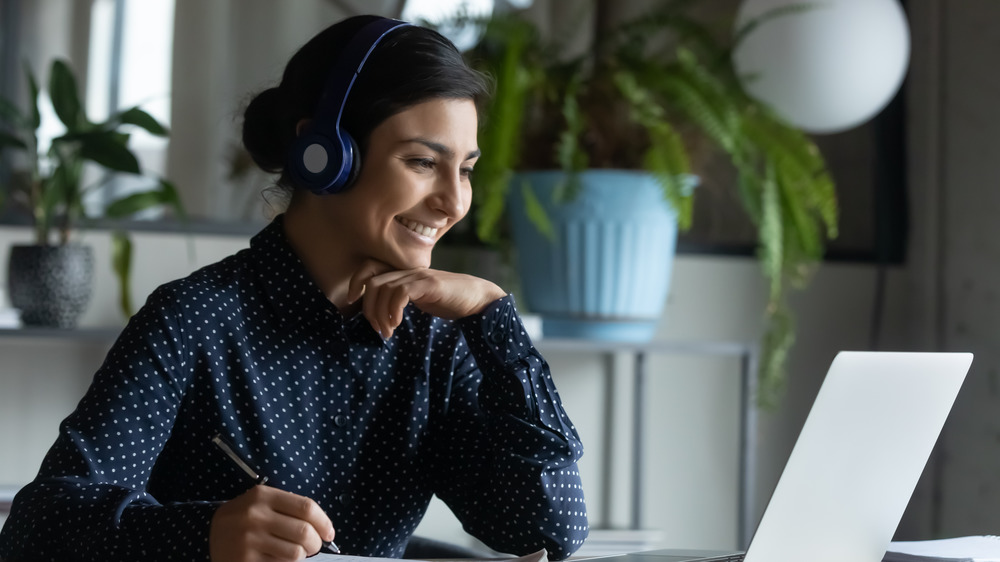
(328, 546)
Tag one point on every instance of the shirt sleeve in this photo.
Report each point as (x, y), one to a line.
(507, 465)
(89, 499)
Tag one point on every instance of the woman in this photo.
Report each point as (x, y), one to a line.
(328, 354)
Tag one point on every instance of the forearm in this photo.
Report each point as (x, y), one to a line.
(526, 492)
(68, 519)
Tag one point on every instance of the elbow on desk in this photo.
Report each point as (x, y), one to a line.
(566, 540)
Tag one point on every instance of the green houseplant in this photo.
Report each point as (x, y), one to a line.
(51, 183)
(647, 91)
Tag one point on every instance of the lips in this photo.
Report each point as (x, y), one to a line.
(421, 229)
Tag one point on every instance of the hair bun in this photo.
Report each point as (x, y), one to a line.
(263, 136)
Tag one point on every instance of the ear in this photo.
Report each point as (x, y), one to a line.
(301, 126)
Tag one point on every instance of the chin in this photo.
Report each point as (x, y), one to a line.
(411, 262)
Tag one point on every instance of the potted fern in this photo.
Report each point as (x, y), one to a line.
(647, 91)
(50, 280)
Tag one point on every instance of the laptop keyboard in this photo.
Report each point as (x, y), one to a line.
(730, 558)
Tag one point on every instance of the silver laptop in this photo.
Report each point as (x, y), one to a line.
(855, 463)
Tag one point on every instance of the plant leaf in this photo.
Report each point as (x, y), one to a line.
(107, 148)
(33, 93)
(779, 337)
(771, 232)
(121, 262)
(165, 194)
(134, 203)
(141, 119)
(65, 96)
(536, 211)
(172, 198)
(8, 140)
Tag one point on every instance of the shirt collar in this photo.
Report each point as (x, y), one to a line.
(290, 290)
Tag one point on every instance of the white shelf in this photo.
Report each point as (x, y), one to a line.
(100, 334)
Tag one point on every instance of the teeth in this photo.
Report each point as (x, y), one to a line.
(418, 228)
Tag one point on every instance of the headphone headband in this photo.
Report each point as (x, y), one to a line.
(324, 158)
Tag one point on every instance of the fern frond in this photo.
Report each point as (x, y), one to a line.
(771, 233)
(779, 337)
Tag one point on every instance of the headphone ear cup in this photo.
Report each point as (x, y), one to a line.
(315, 161)
(354, 164)
(322, 165)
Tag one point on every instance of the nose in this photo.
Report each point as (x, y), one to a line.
(451, 195)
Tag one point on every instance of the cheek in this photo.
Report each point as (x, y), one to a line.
(466, 201)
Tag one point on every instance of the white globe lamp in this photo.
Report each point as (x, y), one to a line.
(825, 68)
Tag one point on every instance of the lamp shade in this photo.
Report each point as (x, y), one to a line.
(828, 67)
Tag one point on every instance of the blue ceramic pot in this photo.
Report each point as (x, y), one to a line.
(606, 271)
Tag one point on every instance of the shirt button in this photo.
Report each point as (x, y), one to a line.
(344, 499)
(496, 337)
(340, 420)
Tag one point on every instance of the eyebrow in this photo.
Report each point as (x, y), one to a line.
(442, 149)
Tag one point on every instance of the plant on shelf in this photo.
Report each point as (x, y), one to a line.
(51, 183)
(642, 97)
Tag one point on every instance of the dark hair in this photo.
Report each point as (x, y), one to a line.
(411, 65)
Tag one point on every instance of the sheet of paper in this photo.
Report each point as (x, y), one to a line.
(985, 548)
(540, 556)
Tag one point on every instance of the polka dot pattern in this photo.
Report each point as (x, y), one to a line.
(370, 429)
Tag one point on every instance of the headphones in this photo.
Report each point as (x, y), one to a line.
(325, 158)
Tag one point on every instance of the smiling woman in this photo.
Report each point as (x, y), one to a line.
(360, 381)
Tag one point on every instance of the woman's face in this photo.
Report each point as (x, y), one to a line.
(414, 184)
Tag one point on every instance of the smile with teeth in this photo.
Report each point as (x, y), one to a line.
(415, 226)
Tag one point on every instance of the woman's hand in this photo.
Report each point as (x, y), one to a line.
(266, 523)
(440, 293)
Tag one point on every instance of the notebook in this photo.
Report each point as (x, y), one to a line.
(855, 464)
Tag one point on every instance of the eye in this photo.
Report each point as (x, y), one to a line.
(467, 172)
(421, 163)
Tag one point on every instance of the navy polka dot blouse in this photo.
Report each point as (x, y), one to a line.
(370, 430)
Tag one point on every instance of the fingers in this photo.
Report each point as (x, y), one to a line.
(385, 299)
(358, 284)
(440, 293)
(299, 510)
(391, 295)
(268, 524)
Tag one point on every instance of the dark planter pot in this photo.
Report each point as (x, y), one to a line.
(606, 273)
(50, 285)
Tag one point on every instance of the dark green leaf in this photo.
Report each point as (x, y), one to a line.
(165, 194)
(33, 94)
(134, 203)
(172, 198)
(121, 262)
(108, 149)
(8, 140)
(140, 118)
(65, 96)
(536, 212)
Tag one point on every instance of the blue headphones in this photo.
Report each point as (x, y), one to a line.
(325, 158)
